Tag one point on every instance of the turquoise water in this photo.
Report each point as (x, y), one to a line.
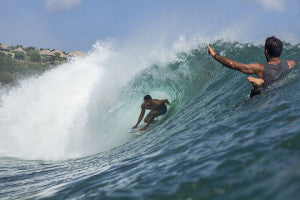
(214, 142)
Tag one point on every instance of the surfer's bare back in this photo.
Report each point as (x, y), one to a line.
(267, 73)
(157, 107)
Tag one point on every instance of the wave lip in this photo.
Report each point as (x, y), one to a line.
(40, 117)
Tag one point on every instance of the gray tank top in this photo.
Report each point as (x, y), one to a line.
(272, 73)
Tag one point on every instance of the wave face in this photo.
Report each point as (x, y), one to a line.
(66, 134)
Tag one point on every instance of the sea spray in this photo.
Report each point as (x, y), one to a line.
(40, 117)
(74, 109)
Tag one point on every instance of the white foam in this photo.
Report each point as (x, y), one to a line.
(37, 117)
(72, 110)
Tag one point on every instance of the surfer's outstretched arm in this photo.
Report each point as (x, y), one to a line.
(253, 68)
(140, 117)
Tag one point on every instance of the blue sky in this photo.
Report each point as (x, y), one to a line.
(78, 24)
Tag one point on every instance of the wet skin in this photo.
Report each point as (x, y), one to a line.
(249, 69)
(154, 105)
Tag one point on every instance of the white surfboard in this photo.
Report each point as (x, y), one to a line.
(136, 132)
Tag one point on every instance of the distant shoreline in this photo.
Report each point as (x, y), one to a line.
(17, 62)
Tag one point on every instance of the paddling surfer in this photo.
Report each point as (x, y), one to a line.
(157, 107)
(267, 73)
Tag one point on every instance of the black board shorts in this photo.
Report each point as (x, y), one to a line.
(161, 111)
(253, 93)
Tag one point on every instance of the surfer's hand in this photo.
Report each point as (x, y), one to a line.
(210, 51)
(135, 126)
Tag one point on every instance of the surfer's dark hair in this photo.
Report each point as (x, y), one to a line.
(273, 46)
(147, 97)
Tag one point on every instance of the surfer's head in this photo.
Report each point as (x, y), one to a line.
(273, 47)
(147, 99)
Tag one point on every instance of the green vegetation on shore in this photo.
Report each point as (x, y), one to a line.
(12, 69)
(17, 62)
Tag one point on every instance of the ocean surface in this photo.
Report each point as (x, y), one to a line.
(67, 133)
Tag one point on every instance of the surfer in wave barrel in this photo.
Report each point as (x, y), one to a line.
(267, 73)
(157, 107)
